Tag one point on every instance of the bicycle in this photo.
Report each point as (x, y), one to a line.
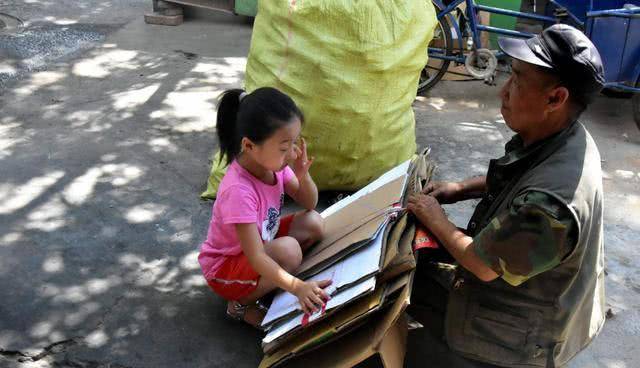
(481, 63)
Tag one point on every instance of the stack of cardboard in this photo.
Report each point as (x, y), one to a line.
(367, 253)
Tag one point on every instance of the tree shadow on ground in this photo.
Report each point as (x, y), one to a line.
(103, 158)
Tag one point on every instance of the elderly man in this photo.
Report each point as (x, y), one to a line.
(529, 288)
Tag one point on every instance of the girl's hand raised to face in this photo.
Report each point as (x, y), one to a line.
(302, 162)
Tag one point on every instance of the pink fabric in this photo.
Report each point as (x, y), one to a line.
(241, 199)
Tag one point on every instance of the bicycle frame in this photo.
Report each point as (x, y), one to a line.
(473, 29)
(470, 12)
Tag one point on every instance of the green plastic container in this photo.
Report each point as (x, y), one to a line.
(246, 7)
(501, 21)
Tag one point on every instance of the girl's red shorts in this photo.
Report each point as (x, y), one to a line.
(236, 278)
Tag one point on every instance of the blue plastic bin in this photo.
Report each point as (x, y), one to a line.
(616, 34)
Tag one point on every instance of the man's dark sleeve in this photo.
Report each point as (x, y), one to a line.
(530, 237)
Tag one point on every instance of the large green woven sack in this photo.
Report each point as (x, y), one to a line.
(353, 68)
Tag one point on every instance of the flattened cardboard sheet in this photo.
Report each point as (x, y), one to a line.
(357, 266)
(315, 261)
(288, 327)
(342, 323)
(383, 192)
(325, 330)
(385, 337)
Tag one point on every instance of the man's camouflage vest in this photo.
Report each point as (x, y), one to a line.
(549, 318)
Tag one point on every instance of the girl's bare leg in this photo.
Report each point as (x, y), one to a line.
(287, 253)
(307, 228)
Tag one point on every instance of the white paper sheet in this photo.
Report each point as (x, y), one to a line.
(356, 266)
(339, 299)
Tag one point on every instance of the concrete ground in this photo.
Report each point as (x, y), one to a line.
(106, 129)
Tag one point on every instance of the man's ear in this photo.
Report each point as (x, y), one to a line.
(557, 98)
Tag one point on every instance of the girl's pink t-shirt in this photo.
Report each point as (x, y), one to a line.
(241, 199)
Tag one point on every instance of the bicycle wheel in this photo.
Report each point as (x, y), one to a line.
(441, 43)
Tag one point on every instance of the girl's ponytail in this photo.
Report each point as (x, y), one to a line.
(226, 124)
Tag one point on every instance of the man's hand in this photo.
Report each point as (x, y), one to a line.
(302, 163)
(311, 294)
(444, 192)
(459, 245)
(427, 210)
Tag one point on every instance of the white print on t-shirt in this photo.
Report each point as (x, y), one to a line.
(271, 225)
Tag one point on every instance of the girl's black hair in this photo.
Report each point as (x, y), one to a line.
(257, 115)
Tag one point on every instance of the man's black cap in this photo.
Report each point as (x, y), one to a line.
(565, 50)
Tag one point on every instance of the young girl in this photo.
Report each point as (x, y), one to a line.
(250, 250)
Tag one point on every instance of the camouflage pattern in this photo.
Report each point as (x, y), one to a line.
(530, 237)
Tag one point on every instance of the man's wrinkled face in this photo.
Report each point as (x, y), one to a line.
(525, 96)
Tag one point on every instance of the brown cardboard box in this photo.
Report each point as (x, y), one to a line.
(382, 334)
(371, 325)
